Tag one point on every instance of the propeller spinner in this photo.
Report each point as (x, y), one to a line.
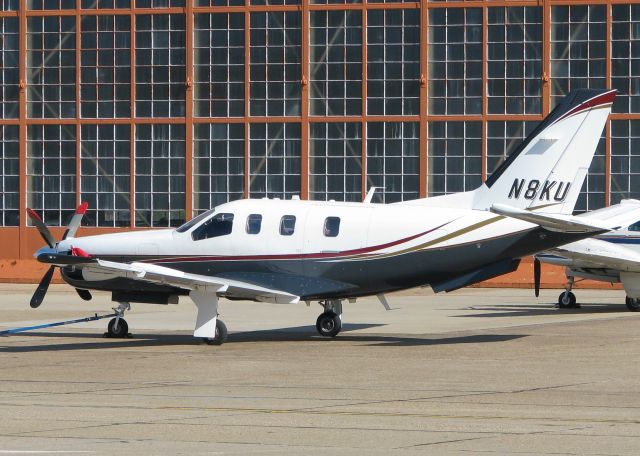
(72, 227)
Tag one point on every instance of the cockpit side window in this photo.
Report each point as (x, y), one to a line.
(218, 225)
(635, 226)
(287, 225)
(254, 223)
(331, 226)
(194, 221)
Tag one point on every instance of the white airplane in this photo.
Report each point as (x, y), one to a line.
(612, 257)
(285, 251)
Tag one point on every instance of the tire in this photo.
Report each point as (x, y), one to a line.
(328, 324)
(121, 331)
(566, 300)
(633, 304)
(221, 334)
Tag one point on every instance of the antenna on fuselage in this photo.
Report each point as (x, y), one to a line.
(370, 193)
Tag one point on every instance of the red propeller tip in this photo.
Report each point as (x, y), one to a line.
(33, 214)
(82, 208)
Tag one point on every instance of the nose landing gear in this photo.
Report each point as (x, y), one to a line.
(329, 323)
(118, 327)
(567, 300)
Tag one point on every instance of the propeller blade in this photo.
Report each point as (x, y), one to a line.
(38, 296)
(76, 220)
(42, 228)
(84, 294)
(536, 275)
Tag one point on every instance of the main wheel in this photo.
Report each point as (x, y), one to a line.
(633, 304)
(329, 324)
(567, 300)
(221, 334)
(121, 331)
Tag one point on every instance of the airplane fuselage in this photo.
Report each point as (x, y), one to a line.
(333, 249)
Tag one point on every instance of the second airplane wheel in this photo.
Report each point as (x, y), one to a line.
(566, 300)
(633, 304)
(328, 324)
(121, 331)
(221, 334)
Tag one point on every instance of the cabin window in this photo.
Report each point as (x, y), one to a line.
(635, 226)
(331, 226)
(218, 225)
(287, 225)
(254, 223)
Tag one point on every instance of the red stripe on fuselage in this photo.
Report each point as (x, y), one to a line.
(294, 256)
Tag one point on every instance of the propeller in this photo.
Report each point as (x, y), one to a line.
(72, 227)
(536, 275)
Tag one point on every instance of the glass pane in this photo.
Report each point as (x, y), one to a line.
(455, 61)
(454, 151)
(393, 162)
(274, 153)
(51, 67)
(393, 67)
(335, 161)
(160, 65)
(160, 175)
(276, 71)
(218, 165)
(51, 172)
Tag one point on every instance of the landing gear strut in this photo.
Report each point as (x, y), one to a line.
(329, 322)
(567, 300)
(118, 327)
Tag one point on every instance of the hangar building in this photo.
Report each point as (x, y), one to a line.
(155, 110)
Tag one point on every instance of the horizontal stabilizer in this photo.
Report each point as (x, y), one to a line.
(554, 222)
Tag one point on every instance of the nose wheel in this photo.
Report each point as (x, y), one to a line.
(118, 327)
(329, 323)
(567, 300)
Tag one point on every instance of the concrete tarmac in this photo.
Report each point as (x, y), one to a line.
(477, 371)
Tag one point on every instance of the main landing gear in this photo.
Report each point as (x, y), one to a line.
(118, 327)
(633, 304)
(567, 300)
(221, 334)
(329, 322)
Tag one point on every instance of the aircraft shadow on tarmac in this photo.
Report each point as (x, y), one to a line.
(527, 310)
(291, 334)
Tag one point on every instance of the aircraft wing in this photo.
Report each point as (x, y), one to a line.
(554, 222)
(97, 269)
(593, 254)
(168, 276)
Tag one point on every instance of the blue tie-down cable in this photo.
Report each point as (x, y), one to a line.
(6, 332)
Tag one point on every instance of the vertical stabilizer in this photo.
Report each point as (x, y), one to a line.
(550, 165)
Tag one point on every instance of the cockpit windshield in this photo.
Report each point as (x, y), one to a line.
(194, 221)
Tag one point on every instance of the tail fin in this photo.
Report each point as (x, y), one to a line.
(550, 165)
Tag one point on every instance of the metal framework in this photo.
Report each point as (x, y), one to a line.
(480, 124)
